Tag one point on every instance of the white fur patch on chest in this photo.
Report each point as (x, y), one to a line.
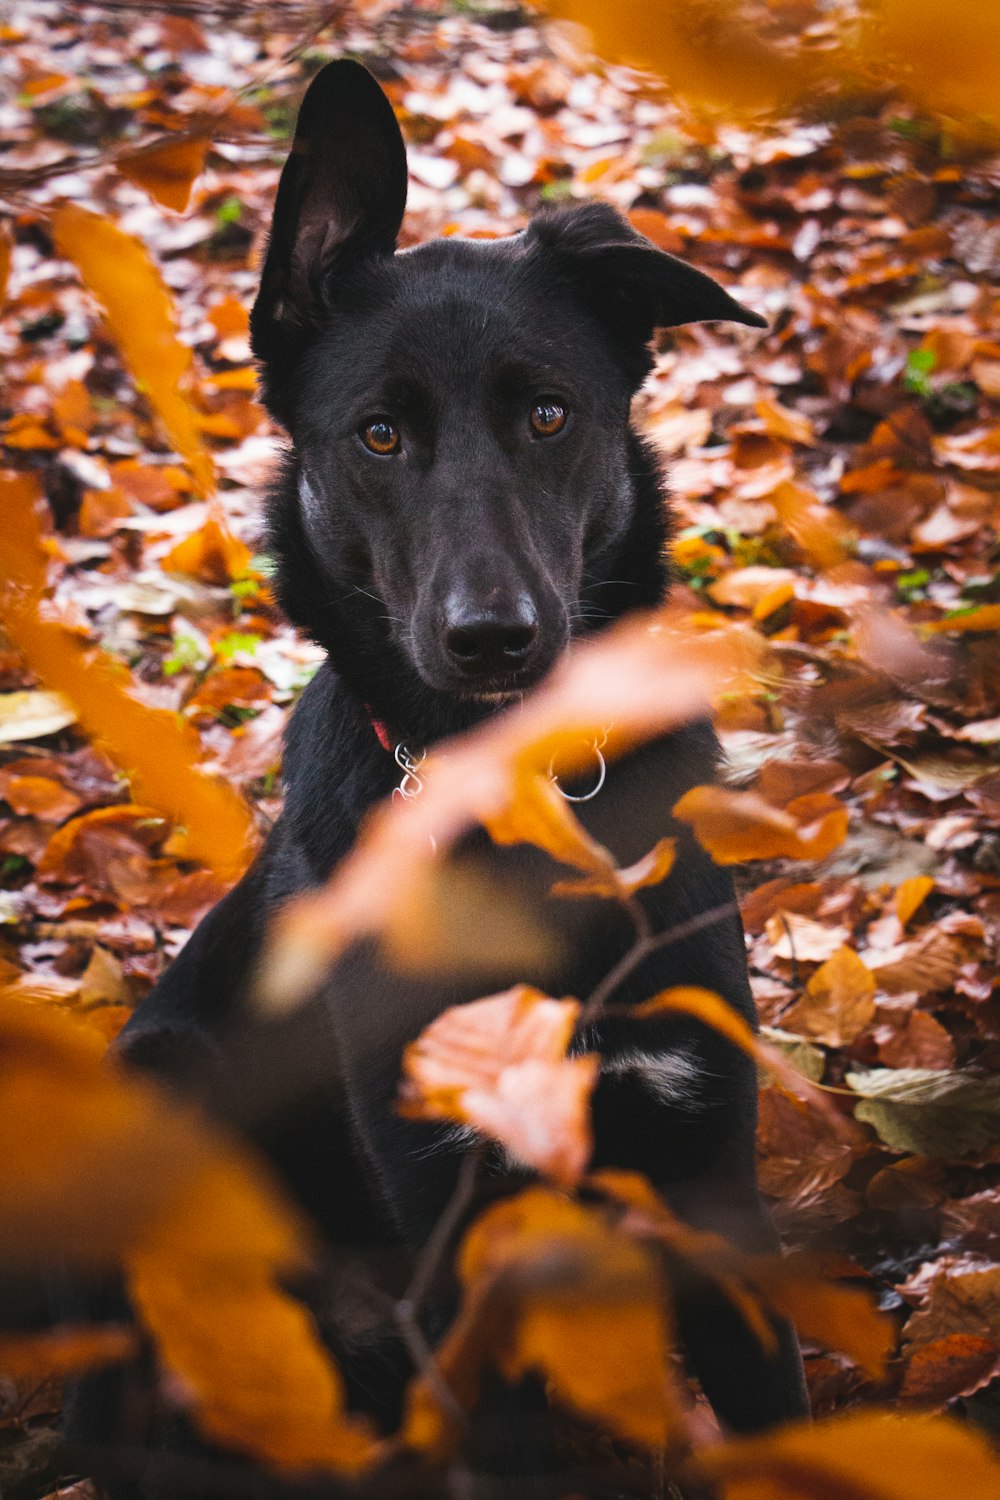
(672, 1077)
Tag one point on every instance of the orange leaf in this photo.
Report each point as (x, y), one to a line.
(705, 1006)
(98, 1168)
(985, 617)
(63, 1351)
(251, 1358)
(956, 1365)
(867, 1455)
(211, 553)
(649, 870)
(37, 796)
(500, 1065)
(539, 814)
(96, 1164)
(799, 1288)
(839, 1002)
(783, 423)
(735, 826)
(166, 169)
(139, 310)
(820, 532)
(911, 895)
(638, 679)
(4, 263)
(159, 754)
(588, 1311)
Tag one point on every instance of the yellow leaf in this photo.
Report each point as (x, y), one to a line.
(211, 553)
(911, 896)
(868, 1455)
(166, 169)
(839, 1002)
(820, 532)
(823, 1310)
(785, 424)
(139, 310)
(736, 826)
(158, 752)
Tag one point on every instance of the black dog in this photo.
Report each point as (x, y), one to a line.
(462, 495)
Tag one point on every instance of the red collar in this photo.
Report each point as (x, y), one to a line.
(381, 730)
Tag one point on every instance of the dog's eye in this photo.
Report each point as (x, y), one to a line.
(379, 436)
(547, 418)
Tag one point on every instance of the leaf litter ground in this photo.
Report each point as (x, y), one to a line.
(836, 482)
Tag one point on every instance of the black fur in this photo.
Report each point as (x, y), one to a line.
(474, 525)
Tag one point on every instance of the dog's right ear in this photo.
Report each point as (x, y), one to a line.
(341, 198)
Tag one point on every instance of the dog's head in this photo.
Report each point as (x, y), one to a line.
(459, 411)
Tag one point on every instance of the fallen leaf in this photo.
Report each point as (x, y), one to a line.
(166, 169)
(839, 1001)
(944, 1369)
(737, 826)
(32, 715)
(929, 1111)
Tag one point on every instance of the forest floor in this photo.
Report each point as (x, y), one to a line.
(836, 483)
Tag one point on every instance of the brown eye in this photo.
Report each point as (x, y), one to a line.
(379, 436)
(547, 418)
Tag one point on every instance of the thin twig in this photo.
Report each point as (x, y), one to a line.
(433, 1252)
(637, 955)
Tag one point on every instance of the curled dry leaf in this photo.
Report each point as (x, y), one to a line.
(160, 755)
(839, 1001)
(641, 678)
(500, 1065)
(737, 826)
(870, 1454)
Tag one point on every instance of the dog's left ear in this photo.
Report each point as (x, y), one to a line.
(630, 285)
(340, 199)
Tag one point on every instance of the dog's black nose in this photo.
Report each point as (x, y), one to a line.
(490, 639)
